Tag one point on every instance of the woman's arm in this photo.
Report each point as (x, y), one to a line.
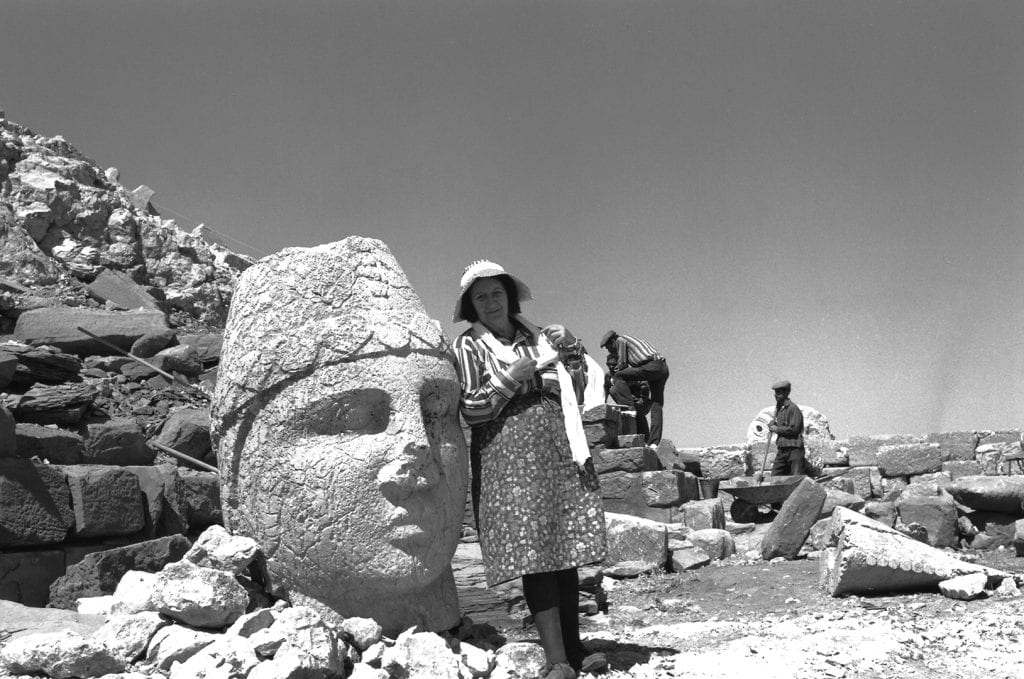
(486, 388)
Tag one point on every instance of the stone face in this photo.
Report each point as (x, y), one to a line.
(992, 493)
(35, 504)
(872, 558)
(907, 459)
(356, 424)
(788, 532)
(58, 327)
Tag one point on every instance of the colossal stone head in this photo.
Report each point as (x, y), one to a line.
(335, 420)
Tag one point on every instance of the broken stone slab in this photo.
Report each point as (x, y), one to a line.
(965, 587)
(176, 644)
(164, 510)
(955, 445)
(908, 459)
(870, 557)
(60, 404)
(1003, 494)
(960, 468)
(227, 656)
(207, 346)
(18, 620)
(936, 512)
(180, 358)
(648, 495)
(723, 463)
(187, 430)
(421, 654)
(862, 451)
(790, 528)
(199, 494)
(58, 327)
(687, 557)
(717, 543)
(991, 529)
(867, 481)
(883, 512)
(631, 538)
(99, 573)
(42, 365)
(837, 498)
(35, 504)
(309, 646)
(118, 288)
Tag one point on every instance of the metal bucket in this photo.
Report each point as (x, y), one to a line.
(708, 488)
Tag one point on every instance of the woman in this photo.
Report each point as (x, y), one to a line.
(534, 488)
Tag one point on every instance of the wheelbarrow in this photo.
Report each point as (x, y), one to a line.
(750, 491)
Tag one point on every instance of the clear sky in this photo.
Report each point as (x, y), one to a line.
(830, 192)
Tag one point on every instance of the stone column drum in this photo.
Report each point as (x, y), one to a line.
(335, 421)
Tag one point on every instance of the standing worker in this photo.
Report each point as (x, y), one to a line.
(788, 427)
(638, 361)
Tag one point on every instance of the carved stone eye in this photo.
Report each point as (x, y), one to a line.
(358, 411)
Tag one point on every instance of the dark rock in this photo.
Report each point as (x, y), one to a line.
(8, 437)
(106, 500)
(118, 441)
(98, 573)
(207, 346)
(26, 576)
(200, 494)
(56, 404)
(187, 431)
(52, 444)
(42, 365)
(788, 532)
(148, 345)
(35, 504)
(58, 326)
(119, 289)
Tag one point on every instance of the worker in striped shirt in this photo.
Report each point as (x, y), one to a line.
(637, 361)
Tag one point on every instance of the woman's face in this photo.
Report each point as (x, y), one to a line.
(490, 301)
(365, 464)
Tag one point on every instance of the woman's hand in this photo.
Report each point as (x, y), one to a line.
(522, 369)
(559, 336)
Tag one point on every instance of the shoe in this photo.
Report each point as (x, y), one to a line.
(585, 662)
(560, 670)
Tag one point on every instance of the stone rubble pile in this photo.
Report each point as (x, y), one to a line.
(202, 617)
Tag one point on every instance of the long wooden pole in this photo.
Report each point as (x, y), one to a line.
(188, 458)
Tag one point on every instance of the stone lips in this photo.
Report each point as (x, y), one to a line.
(335, 422)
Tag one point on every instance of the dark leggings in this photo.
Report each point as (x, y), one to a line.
(553, 600)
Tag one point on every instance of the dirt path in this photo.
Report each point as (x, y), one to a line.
(771, 621)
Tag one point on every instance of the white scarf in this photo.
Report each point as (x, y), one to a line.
(548, 354)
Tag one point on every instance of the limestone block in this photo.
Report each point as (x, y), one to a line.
(724, 463)
(227, 656)
(701, 514)
(519, 660)
(176, 644)
(127, 636)
(25, 577)
(892, 488)
(992, 493)
(939, 479)
(788, 531)
(58, 327)
(908, 459)
(689, 557)
(716, 543)
(883, 512)
(361, 632)
(964, 587)
(116, 442)
(60, 655)
(632, 538)
(624, 460)
(867, 481)
(955, 445)
(630, 441)
(35, 504)
(98, 573)
(872, 558)
(959, 468)
(364, 509)
(198, 596)
(55, 445)
(216, 548)
(308, 648)
(862, 451)
(642, 494)
(837, 498)
(135, 593)
(936, 513)
(687, 459)
(106, 500)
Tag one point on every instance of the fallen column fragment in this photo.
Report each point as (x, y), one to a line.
(869, 557)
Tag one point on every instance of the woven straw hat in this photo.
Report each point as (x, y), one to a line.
(483, 268)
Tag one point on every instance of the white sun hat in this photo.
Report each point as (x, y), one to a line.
(484, 268)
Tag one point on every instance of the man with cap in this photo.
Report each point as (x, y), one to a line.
(788, 427)
(637, 361)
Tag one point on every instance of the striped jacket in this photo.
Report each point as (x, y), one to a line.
(633, 351)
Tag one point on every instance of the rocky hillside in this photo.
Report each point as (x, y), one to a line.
(64, 222)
